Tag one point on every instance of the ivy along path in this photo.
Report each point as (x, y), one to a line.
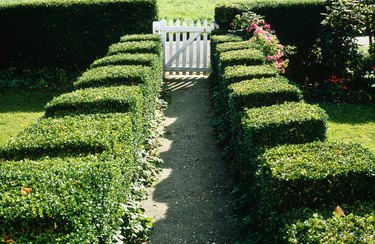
(190, 201)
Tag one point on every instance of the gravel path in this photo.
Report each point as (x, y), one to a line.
(190, 201)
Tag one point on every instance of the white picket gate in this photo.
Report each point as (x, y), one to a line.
(186, 47)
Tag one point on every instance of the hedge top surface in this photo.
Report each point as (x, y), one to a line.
(136, 47)
(242, 57)
(70, 135)
(141, 37)
(239, 45)
(242, 72)
(113, 76)
(264, 85)
(225, 38)
(7, 3)
(268, 3)
(144, 59)
(96, 100)
(318, 160)
(283, 113)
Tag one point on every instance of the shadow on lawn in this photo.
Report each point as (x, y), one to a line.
(25, 101)
(350, 113)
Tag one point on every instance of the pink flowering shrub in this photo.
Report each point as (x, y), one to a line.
(255, 28)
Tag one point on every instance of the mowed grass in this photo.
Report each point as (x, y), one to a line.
(18, 109)
(351, 122)
(189, 9)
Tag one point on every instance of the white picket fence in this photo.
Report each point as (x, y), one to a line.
(186, 45)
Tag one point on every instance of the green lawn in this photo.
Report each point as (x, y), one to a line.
(189, 9)
(18, 109)
(352, 122)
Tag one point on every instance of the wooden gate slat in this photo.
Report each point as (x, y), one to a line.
(184, 39)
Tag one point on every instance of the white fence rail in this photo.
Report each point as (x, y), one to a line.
(186, 45)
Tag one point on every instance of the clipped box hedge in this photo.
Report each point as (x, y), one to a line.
(136, 47)
(357, 226)
(68, 33)
(231, 46)
(65, 199)
(242, 57)
(144, 59)
(238, 73)
(97, 100)
(263, 92)
(288, 123)
(80, 134)
(310, 225)
(217, 39)
(114, 76)
(315, 175)
(141, 37)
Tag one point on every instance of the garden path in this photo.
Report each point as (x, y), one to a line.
(190, 201)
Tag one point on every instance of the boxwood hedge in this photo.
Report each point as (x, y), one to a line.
(68, 33)
(263, 92)
(288, 123)
(97, 100)
(136, 47)
(114, 76)
(65, 199)
(217, 39)
(314, 175)
(357, 226)
(238, 73)
(242, 57)
(239, 45)
(144, 59)
(74, 135)
(140, 37)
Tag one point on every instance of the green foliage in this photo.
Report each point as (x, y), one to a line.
(217, 39)
(242, 57)
(67, 199)
(239, 45)
(136, 47)
(314, 175)
(287, 123)
(234, 74)
(144, 59)
(344, 21)
(312, 226)
(80, 175)
(97, 100)
(141, 37)
(68, 33)
(286, 17)
(114, 76)
(69, 135)
(263, 92)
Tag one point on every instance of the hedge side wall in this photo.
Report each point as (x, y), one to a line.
(68, 33)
